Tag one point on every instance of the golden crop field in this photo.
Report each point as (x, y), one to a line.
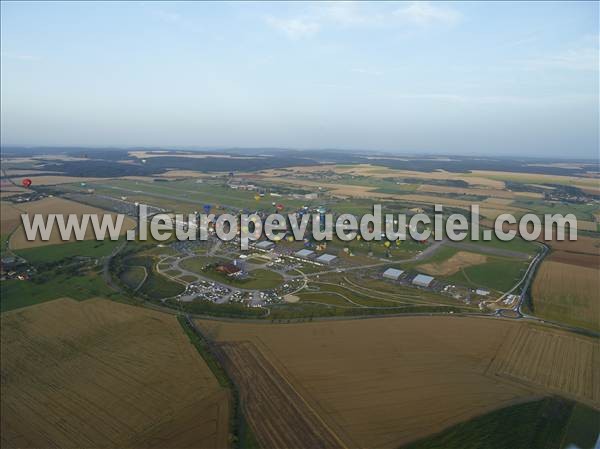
(563, 363)
(458, 261)
(58, 206)
(376, 171)
(51, 180)
(102, 374)
(496, 193)
(380, 383)
(568, 292)
(10, 217)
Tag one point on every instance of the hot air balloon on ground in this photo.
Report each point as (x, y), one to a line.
(26, 182)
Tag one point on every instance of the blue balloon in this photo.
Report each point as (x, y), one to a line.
(207, 208)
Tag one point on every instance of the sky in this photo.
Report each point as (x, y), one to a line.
(481, 78)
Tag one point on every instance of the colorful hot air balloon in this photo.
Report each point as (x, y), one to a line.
(207, 208)
(26, 182)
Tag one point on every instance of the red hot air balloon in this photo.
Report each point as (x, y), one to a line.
(26, 182)
(279, 207)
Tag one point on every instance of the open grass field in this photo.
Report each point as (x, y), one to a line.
(382, 383)
(133, 276)
(560, 362)
(458, 261)
(259, 279)
(156, 285)
(53, 253)
(568, 292)
(103, 374)
(58, 206)
(197, 264)
(15, 294)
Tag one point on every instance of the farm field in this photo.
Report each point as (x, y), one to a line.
(541, 424)
(386, 382)
(10, 217)
(57, 206)
(456, 262)
(560, 362)
(102, 374)
(568, 292)
(567, 285)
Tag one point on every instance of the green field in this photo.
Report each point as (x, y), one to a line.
(498, 274)
(16, 294)
(132, 276)
(257, 279)
(197, 264)
(54, 253)
(156, 286)
(534, 425)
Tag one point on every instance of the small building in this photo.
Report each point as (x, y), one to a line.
(482, 292)
(422, 280)
(305, 254)
(265, 245)
(326, 258)
(392, 273)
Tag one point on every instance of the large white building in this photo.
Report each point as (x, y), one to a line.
(305, 254)
(265, 245)
(392, 273)
(422, 280)
(326, 258)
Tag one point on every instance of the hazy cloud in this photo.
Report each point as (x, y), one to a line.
(425, 13)
(295, 28)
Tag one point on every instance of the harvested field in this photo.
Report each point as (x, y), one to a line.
(51, 180)
(531, 178)
(10, 217)
(102, 374)
(494, 193)
(562, 363)
(7, 190)
(276, 412)
(58, 206)
(376, 171)
(458, 261)
(579, 259)
(583, 244)
(380, 383)
(568, 292)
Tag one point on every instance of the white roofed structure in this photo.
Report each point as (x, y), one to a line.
(422, 280)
